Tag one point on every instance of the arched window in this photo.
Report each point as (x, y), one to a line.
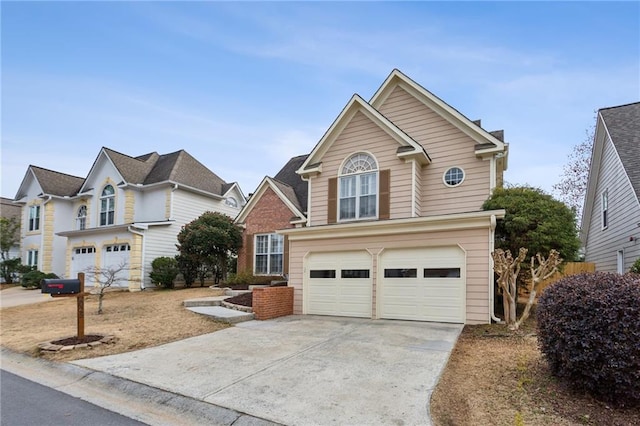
(107, 206)
(358, 188)
(81, 219)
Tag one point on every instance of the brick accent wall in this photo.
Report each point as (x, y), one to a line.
(272, 302)
(268, 215)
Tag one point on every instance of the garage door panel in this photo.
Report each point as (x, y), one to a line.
(435, 293)
(340, 295)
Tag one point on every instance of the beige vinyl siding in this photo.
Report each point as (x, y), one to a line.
(473, 241)
(448, 147)
(623, 216)
(362, 135)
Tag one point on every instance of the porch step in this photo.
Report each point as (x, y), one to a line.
(230, 316)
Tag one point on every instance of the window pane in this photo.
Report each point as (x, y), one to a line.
(262, 244)
(261, 264)
(322, 273)
(368, 206)
(368, 184)
(277, 243)
(400, 273)
(441, 272)
(354, 273)
(275, 266)
(348, 208)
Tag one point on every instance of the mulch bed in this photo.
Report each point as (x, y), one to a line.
(76, 341)
(242, 299)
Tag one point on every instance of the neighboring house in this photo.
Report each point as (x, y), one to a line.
(394, 221)
(278, 203)
(611, 217)
(128, 210)
(9, 210)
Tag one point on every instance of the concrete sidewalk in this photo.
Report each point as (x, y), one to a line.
(134, 400)
(300, 369)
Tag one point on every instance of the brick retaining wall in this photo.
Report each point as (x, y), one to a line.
(272, 302)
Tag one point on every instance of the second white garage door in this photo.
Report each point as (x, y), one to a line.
(339, 284)
(423, 284)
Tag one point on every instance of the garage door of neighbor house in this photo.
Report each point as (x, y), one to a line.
(115, 255)
(423, 284)
(81, 259)
(339, 284)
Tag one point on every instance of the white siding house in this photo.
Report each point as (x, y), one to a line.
(127, 211)
(611, 219)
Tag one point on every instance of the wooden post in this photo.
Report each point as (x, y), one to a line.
(80, 298)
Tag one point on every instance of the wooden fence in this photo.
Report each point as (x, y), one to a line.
(570, 268)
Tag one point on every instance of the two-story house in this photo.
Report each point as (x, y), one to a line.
(611, 216)
(127, 211)
(394, 226)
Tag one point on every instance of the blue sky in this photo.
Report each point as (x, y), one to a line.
(245, 86)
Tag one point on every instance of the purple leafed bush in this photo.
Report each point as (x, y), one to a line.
(589, 332)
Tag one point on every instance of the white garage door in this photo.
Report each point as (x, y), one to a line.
(81, 259)
(339, 284)
(424, 284)
(115, 257)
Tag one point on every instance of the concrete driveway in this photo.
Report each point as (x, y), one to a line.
(302, 369)
(16, 296)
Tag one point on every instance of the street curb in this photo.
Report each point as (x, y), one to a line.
(132, 399)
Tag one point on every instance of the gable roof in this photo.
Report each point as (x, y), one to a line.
(176, 167)
(623, 124)
(51, 182)
(409, 147)
(289, 177)
(288, 185)
(486, 142)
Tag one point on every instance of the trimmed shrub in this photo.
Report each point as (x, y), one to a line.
(589, 332)
(635, 268)
(33, 279)
(164, 271)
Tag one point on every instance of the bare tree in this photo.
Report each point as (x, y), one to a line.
(106, 277)
(508, 270)
(575, 174)
(545, 269)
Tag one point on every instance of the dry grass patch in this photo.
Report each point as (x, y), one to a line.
(496, 377)
(138, 320)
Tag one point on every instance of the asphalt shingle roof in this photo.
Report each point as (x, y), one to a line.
(8, 209)
(56, 183)
(623, 124)
(288, 176)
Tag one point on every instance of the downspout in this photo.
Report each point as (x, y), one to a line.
(42, 236)
(144, 244)
(492, 237)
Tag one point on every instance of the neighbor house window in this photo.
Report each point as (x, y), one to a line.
(358, 188)
(453, 177)
(34, 218)
(605, 209)
(269, 254)
(107, 206)
(82, 218)
(32, 258)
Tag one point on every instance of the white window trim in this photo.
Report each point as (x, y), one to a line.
(32, 258)
(444, 180)
(268, 254)
(106, 212)
(604, 210)
(81, 221)
(358, 196)
(34, 220)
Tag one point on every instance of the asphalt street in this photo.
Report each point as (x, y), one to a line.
(26, 403)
